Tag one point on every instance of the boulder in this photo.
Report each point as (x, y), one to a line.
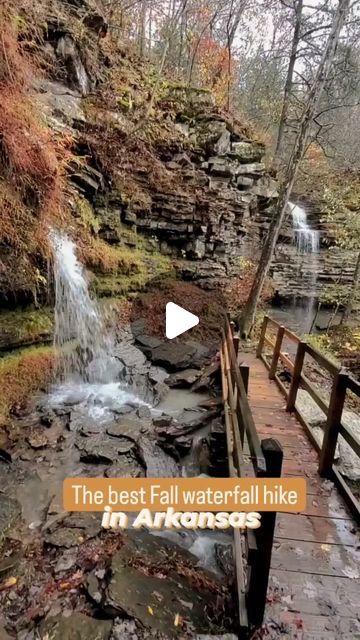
(155, 597)
(246, 152)
(100, 449)
(183, 379)
(157, 463)
(77, 626)
(72, 530)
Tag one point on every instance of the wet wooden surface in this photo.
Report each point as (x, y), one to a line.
(314, 590)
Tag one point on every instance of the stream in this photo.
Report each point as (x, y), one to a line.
(112, 412)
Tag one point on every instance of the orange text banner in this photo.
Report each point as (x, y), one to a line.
(185, 494)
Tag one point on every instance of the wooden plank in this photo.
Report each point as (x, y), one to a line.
(244, 408)
(328, 506)
(292, 336)
(315, 594)
(313, 529)
(321, 559)
(264, 539)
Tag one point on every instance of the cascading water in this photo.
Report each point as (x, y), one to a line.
(307, 241)
(90, 373)
(77, 317)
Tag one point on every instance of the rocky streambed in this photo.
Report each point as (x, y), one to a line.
(61, 575)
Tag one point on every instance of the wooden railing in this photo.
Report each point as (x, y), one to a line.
(341, 383)
(248, 457)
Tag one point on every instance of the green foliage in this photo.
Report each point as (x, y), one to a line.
(25, 327)
(344, 222)
(323, 343)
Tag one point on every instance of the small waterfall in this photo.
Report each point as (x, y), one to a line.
(77, 317)
(91, 374)
(307, 241)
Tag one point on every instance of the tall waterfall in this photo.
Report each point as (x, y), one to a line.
(78, 320)
(307, 241)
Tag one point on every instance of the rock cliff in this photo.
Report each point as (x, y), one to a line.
(154, 176)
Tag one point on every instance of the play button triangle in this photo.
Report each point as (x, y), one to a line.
(178, 320)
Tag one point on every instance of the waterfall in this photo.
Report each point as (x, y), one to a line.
(91, 374)
(307, 239)
(78, 319)
(307, 242)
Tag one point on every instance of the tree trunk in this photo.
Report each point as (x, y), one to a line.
(354, 288)
(289, 82)
(246, 320)
(142, 34)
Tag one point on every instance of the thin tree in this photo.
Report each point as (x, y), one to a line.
(246, 319)
(298, 8)
(353, 293)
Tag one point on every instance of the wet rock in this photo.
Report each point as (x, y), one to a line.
(157, 463)
(130, 427)
(76, 627)
(126, 468)
(102, 450)
(124, 409)
(10, 513)
(37, 439)
(157, 374)
(132, 630)
(131, 356)
(160, 391)
(183, 379)
(78, 77)
(72, 530)
(143, 412)
(225, 559)
(132, 592)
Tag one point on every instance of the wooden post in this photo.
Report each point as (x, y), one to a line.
(276, 354)
(260, 569)
(296, 378)
(245, 374)
(333, 423)
(262, 337)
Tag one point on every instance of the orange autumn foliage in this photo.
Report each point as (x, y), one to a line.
(31, 159)
(214, 68)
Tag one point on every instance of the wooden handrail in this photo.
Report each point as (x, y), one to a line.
(333, 409)
(252, 550)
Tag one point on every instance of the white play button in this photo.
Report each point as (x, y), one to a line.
(178, 320)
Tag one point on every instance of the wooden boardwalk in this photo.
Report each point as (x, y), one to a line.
(314, 587)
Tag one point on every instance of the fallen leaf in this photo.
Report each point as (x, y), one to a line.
(7, 584)
(177, 620)
(150, 611)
